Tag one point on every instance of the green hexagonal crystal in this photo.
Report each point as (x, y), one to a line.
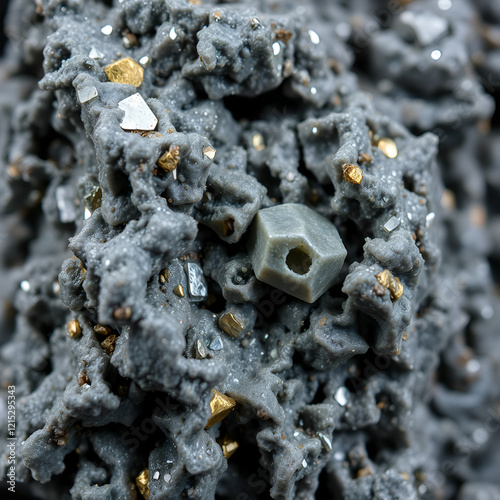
(295, 249)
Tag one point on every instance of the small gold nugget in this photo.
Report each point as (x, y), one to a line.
(74, 329)
(388, 147)
(220, 407)
(389, 281)
(125, 70)
(209, 152)
(179, 291)
(108, 344)
(229, 324)
(170, 159)
(142, 482)
(352, 173)
(102, 330)
(228, 445)
(164, 275)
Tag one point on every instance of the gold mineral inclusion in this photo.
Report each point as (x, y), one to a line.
(74, 329)
(389, 281)
(125, 70)
(170, 159)
(142, 482)
(230, 324)
(179, 291)
(164, 275)
(209, 152)
(228, 445)
(388, 147)
(352, 173)
(220, 407)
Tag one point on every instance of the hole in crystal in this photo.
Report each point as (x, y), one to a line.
(298, 261)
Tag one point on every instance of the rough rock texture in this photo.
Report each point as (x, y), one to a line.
(383, 388)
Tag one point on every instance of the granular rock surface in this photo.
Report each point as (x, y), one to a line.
(138, 141)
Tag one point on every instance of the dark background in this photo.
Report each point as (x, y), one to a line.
(3, 8)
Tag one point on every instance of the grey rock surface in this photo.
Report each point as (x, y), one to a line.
(386, 386)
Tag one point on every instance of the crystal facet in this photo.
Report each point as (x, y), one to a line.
(87, 94)
(296, 250)
(138, 115)
(126, 71)
(198, 290)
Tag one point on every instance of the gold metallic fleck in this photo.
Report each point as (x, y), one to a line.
(352, 173)
(125, 70)
(108, 344)
(209, 152)
(228, 445)
(74, 329)
(94, 199)
(389, 281)
(102, 330)
(170, 159)
(388, 147)
(220, 407)
(179, 291)
(165, 275)
(142, 482)
(229, 324)
(365, 158)
(122, 313)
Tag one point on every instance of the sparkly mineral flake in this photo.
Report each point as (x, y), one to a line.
(429, 218)
(209, 152)
(144, 60)
(156, 475)
(436, 55)
(327, 442)
(392, 224)
(314, 130)
(25, 286)
(198, 290)
(172, 34)
(95, 54)
(200, 349)
(87, 94)
(304, 463)
(258, 141)
(314, 90)
(314, 37)
(65, 199)
(216, 343)
(276, 48)
(138, 115)
(107, 30)
(341, 396)
(255, 23)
